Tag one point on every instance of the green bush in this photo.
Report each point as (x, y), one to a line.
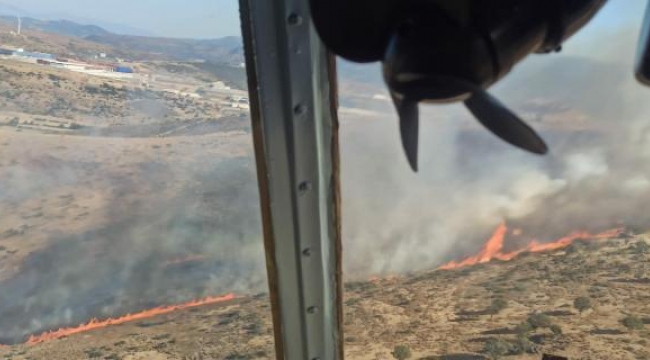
(94, 353)
(524, 328)
(539, 320)
(497, 305)
(632, 322)
(520, 286)
(641, 247)
(523, 345)
(401, 352)
(556, 329)
(496, 348)
(582, 303)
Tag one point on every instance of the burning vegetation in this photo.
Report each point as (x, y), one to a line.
(493, 248)
(569, 303)
(110, 220)
(97, 324)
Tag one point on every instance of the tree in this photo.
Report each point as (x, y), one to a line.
(496, 348)
(632, 322)
(523, 345)
(524, 328)
(539, 320)
(641, 247)
(556, 330)
(401, 352)
(582, 303)
(497, 305)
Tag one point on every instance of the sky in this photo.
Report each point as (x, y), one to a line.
(611, 26)
(171, 18)
(217, 18)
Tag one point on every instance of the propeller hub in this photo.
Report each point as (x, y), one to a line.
(453, 50)
(429, 51)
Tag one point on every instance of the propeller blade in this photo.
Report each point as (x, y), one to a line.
(642, 63)
(504, 123)
(409, 127)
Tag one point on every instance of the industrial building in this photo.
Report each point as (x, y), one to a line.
(68, 64)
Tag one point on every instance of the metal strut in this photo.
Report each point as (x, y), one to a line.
(292, 86)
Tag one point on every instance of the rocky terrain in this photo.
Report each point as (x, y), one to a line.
(53, 100)
(127, 195)
(70, 38)
(105, 181)
(587, 301)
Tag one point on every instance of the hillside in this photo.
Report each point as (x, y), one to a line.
(434, 313)
(68, 37)
(38, 40)
(222, 50)
(86, 158)
(132, 194)
(61, 27)
(30, 92)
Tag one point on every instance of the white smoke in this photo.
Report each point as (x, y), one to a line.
(594, 177)
(581, 166)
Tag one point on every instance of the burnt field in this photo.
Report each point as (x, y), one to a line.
(172, 128)
(435, 314)
(100, 228)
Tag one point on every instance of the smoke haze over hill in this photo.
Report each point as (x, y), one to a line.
(105, 224)
(591, 111)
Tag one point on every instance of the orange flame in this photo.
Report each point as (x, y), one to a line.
(493, 247)
(96, 324)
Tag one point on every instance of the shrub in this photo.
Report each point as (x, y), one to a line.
(582, 303)
(496, 348)
(401, 352)
(576, 247)
(520, 286)
(641, 247)
(497, 305)
(93, 353)
(539, 320)
(524, 328)
(523, 345)
(556, 329)
(632, 322)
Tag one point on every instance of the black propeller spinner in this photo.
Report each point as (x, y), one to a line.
(450, 50)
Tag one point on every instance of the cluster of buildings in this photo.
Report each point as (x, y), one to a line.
(97, 68)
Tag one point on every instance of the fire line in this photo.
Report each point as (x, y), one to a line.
(96, 324)
(493, 248)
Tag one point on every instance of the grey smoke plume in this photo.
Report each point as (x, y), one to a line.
(179, 219)
(596, 119)
(590, 110)
(124, 265)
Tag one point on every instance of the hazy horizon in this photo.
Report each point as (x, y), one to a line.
(212, 19)
(168, 18)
